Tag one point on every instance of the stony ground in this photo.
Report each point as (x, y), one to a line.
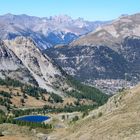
(14, 132)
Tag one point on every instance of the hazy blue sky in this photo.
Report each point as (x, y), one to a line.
(88, 9)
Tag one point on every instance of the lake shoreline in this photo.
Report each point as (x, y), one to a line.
(33, 118)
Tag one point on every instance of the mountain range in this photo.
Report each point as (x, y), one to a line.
(106, 57)
(46, 32)
(101, 54)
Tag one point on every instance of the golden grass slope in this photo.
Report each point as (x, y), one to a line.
(119, 119)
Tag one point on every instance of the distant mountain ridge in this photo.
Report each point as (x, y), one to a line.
(46, 32)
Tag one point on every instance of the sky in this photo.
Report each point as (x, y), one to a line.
(88, 9)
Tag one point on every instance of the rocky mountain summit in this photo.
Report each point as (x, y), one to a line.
(111, 53)
(46, 32)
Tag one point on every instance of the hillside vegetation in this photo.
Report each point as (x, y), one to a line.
(18, 99)
(14, 95)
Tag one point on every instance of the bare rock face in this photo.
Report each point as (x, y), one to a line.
(109, 53)
(41, 67)
(11, 66)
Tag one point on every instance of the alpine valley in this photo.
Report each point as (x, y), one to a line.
(69, 79)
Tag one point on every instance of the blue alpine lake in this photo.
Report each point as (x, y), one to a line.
(33, 118)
